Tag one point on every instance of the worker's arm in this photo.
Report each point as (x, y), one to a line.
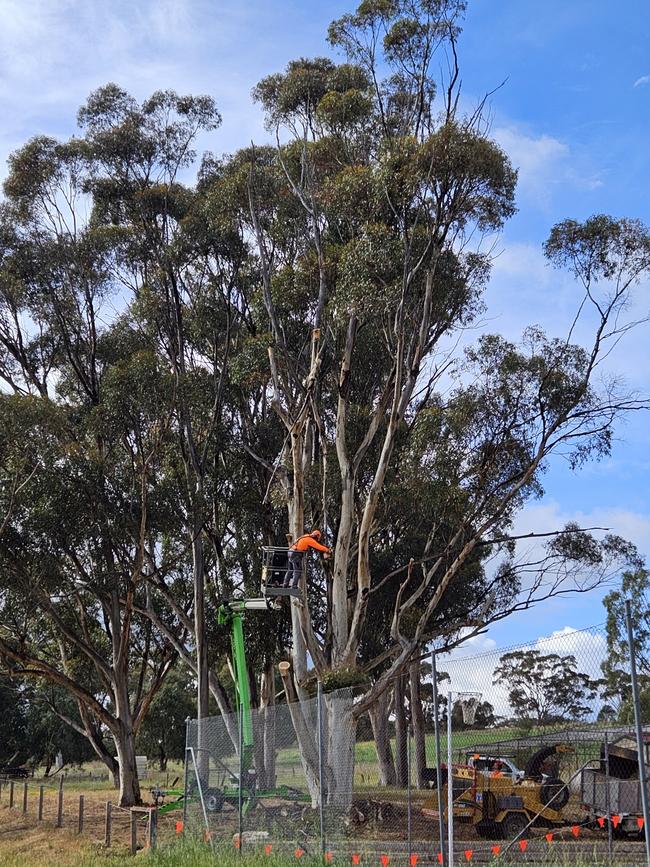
(317, 545)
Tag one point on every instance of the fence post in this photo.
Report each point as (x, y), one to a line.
(11, 793)
(319, 699)
(186, 793)
(59, 811)
(41, 795)
(436, 727)
(240, 798)
(607, 804)
(134, 832)
(152, 831)
(643, 779)
(108, 826)
(24, 797)
(409, 733)
(81, 814)
(450, 786)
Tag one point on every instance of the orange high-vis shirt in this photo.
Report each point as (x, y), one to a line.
(308, 541)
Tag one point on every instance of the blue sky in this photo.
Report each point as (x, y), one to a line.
(573, 114)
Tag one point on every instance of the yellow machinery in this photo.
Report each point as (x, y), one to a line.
(500, 807)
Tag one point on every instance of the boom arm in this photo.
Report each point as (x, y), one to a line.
(232, 613)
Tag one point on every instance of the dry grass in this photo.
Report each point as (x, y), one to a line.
(26, 843)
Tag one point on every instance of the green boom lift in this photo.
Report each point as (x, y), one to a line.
(231, 613)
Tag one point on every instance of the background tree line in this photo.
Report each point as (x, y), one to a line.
(197, 363)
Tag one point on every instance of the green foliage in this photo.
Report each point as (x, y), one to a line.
(544, 688)
(616, 684)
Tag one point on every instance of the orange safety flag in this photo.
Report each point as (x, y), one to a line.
(601, 821)
(299, 853)
(439, 857)
(414, 860)
(615, 821)
(237, 842)
(639, 821)
(356, 859)
(575, 830)
(329, 857)
(179, 827)
(549, 838)
(523, 844)
(496, 851)
(468, 854)
(384, 860)
(207, 836)
(268, 848)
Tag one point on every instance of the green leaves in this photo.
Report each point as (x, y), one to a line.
(544, 688)
(601, 248)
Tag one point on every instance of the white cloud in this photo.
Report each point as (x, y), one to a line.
(471, 667)
(645, 79)
(544, 163)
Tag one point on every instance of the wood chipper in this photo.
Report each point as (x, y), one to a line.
(501, 807)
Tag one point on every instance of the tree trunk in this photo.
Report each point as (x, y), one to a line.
(401, 733)
(267, 692)
(203, 693)
(129, 784)
(378, 714)
(417, 721)
(307, 744)
(341, 736)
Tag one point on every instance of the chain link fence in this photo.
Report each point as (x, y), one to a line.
(543, 764)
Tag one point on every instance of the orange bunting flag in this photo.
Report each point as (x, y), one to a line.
(179, 827)
(299, 853)
(414, 860)
(468, 854)
(601, 821)
(384, 860)
(496, 851)
(329, 857)
(356, 859)
(549, 838)
(268, 848)
(523, 844)
(575, 830)
(439, 857)
(639, 821)
(615, 821)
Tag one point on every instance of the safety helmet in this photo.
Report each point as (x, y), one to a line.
(315, 534)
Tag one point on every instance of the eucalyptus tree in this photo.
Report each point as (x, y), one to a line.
(367, 222)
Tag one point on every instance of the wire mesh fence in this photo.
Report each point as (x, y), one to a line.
(538, 745)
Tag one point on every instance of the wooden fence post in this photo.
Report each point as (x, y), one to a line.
(11, 793)
(134, 832)
(24, 797)
(41, 795)
(152, 830)
(59, 812)
(81, 815)
(109, 821)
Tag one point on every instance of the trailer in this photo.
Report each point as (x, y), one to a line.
(613, 788)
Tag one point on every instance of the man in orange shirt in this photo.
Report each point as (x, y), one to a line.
(297, 553)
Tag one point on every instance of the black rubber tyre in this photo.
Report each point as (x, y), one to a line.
(512, 825)
(548, 794)
(214, 800)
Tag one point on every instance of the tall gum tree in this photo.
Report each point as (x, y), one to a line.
(366, 222)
